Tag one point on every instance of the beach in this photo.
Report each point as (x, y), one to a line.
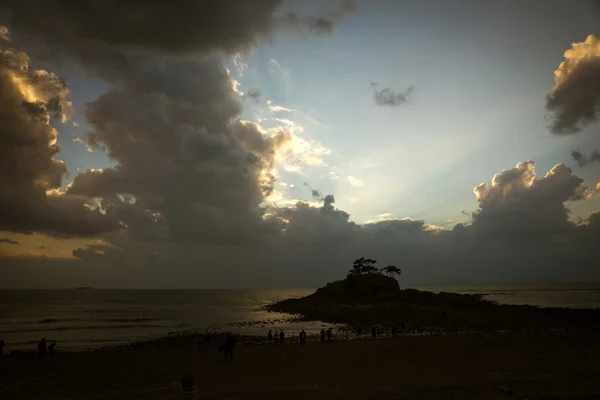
(532, 365)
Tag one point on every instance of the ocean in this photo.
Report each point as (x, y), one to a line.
(86, 318)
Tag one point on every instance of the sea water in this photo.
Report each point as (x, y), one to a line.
(85, 318)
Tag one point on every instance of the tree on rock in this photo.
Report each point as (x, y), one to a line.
(391, 270)
(363, 266)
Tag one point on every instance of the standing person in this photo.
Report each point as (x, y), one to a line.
(270, 336)
(329, 334)
(41, 348)
(373, 333)
(302, 338)
(358, 332)
(1, 348)
(393, 330)
(228, 346)
(281, 337)
(323, 335)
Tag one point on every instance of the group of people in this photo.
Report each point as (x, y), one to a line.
(43, 348)
(326, 335)
(302, 336)
(374, 331)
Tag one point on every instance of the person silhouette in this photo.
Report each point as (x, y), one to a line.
(41, 348)
(358, 332)
(323, 335)
(329, 334)
(302, 338)
(393, 330)
(270, 336)
(281, 337)
(373, 333)
(228, 346)
(1, 348)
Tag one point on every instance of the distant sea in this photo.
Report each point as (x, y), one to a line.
(86, 318)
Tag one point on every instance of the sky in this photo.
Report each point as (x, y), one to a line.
(270, 143)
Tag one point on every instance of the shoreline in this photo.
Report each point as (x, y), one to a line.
(534, 366)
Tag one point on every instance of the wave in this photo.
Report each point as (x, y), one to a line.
(140, 319)
(102, 327)
(54, 320)
(494, 294)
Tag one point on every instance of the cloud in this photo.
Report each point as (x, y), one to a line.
(574, 101)
(240, 66)
(171, 124)
(85, 144)
(276, 108)
(389, 97)
(190, 27)
(30, 175)
(317, 25)
(183, 203)
(517, 202)
(355, 181)
(582, 160)
(522, 232)
(8, 241)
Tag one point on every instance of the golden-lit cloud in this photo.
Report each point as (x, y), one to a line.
(574, 101)
(578, 55)
(44, 245)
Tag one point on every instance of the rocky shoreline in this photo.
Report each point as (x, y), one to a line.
(376, 300)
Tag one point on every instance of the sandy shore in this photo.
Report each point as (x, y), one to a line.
(534, 366)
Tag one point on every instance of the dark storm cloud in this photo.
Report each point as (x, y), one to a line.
(194, 171)
(185, 27)
(306, 245)
(187, 165)
(29, 173)
(389, 97)
(8, 241)
(574, 101)
(582, 159)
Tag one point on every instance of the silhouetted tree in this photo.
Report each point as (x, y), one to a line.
(368, 266)
(391, 270)
(363, 266)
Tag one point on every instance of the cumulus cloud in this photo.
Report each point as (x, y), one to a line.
(388, 96)
(582, 159)
(574, 101)
(522, 231)
(517, 202)
(190, 27)
(30, 175)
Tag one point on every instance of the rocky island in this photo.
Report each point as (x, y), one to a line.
(367, 297)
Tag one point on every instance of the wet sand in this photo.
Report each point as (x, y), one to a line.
(534, 366)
